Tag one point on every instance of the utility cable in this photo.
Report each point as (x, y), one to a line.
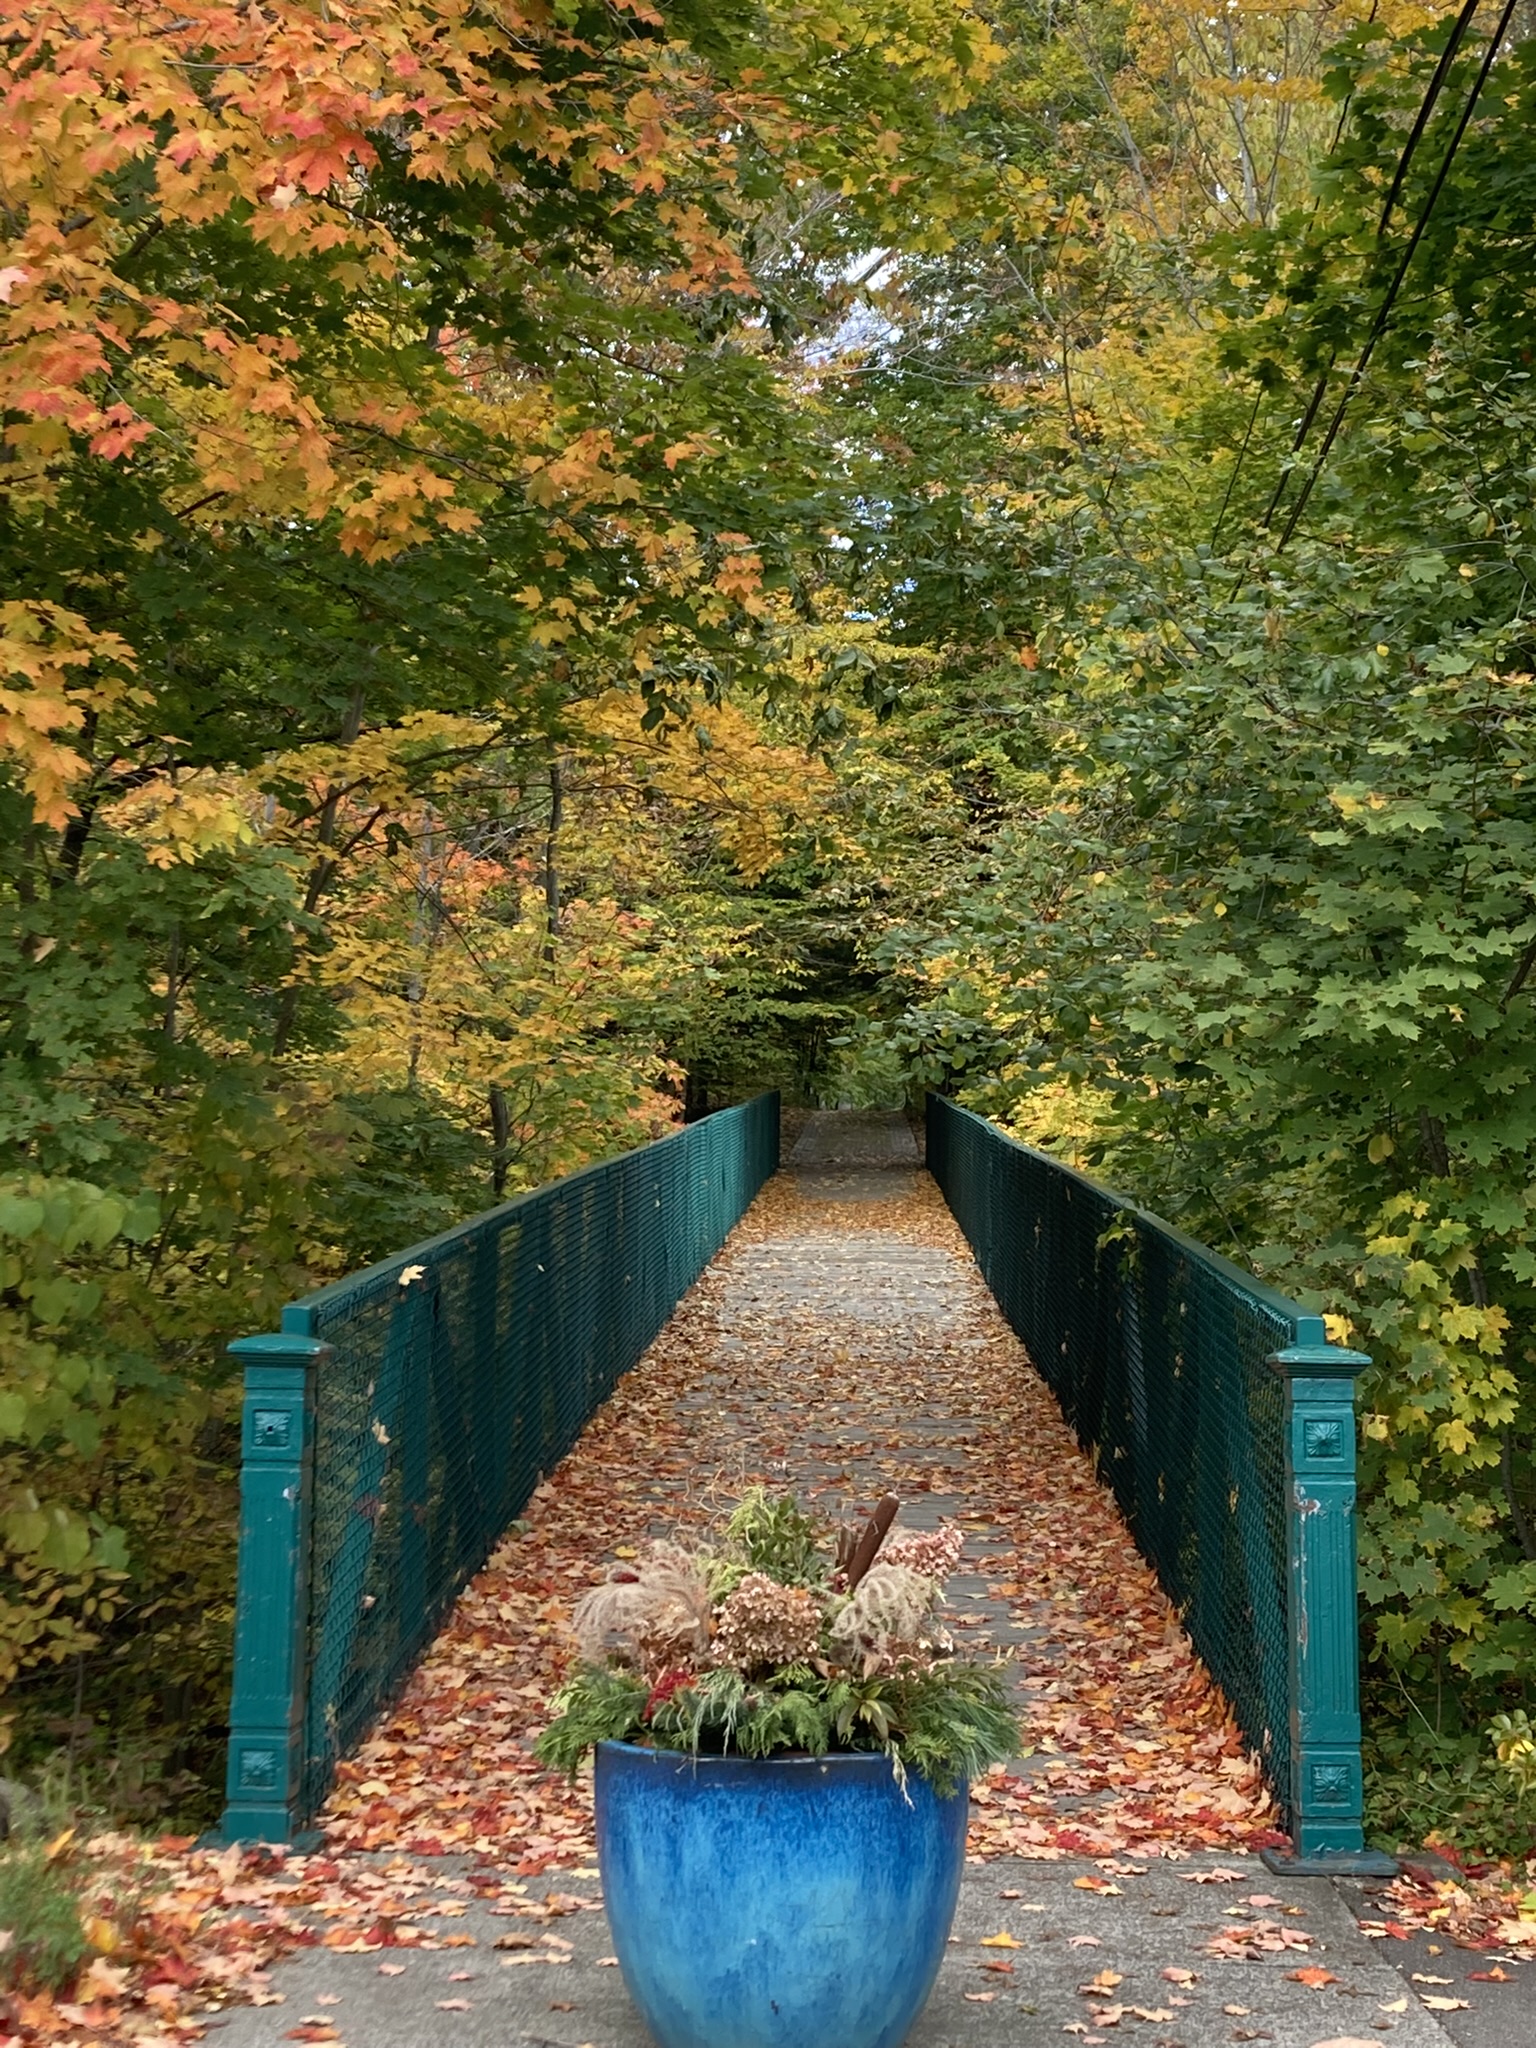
(1384, 311)
(1427, 105)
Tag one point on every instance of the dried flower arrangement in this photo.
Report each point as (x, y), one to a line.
(785, 1637)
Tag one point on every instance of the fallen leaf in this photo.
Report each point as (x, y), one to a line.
(1313, 1976)
(454, 2005)
(999, 1941)
(978, 1997)
(1446, 2004)
(1106, 1980)
(1421, 1977)
(1098, 1884)
(1174, 1974)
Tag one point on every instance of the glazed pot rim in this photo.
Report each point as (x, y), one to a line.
(865, 1761)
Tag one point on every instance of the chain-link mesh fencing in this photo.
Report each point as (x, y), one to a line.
(1157, 1350)
(463, 1369)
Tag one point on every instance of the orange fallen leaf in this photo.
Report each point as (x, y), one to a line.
(1314, 1976)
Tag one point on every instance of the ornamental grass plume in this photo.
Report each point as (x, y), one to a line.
(763, 1622)
(889, 1613)
(656, 1618)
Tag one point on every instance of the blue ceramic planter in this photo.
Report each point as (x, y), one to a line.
(793, 1902)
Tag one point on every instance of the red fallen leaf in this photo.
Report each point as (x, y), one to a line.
(172, 1970)
(1314, 1975)
(312, 2031)
(1493, 1976)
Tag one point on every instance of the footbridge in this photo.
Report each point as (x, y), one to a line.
(398, 1424)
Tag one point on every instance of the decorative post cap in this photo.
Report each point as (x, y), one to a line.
(281, 1348)
(1312, 1357)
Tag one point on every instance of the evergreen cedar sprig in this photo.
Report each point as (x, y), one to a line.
(778, 1643)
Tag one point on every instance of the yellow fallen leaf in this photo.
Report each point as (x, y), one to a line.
(999, 1941)
(101, 1934)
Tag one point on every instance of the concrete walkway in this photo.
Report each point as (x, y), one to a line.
(843, 1345)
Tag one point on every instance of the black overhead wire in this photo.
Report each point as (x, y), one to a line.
(1454, 41)
(1258, 396)
(1384, 310)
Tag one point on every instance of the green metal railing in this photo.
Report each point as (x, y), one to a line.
(1223, 1420)
(401, 1418)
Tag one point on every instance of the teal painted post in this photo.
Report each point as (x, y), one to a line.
(1327, 1792)
(266, 1715)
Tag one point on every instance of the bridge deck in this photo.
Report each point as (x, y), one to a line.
(842, 1345)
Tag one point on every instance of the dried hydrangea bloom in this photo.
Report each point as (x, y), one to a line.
(655, 1617)
(891, 1611)
(762, 1622)
(931, 1553)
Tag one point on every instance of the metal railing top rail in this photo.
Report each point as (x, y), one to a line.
(386, 1272)
(1309, 1324)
